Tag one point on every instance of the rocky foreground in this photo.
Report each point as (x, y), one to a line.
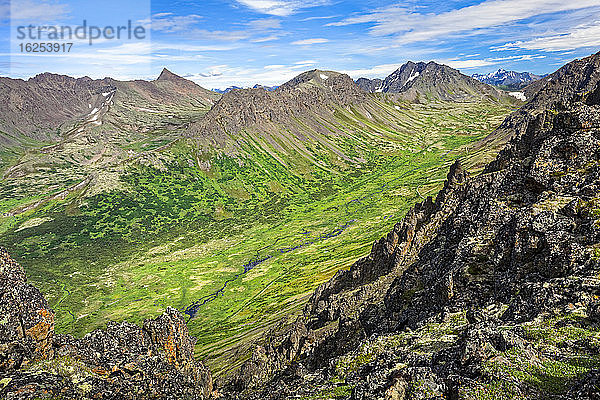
(122, 362)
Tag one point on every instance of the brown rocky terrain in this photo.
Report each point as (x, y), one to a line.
(47, 106)
(122, 362)
(490, 291)
(307, 98)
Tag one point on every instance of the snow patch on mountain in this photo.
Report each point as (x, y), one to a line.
(519, 95)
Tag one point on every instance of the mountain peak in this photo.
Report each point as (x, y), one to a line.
(421, 80)
(167, 75)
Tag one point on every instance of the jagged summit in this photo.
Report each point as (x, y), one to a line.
(167, 75)
(314, 77)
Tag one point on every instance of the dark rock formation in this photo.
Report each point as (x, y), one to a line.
(122, 362)
(370, 85)
(490, 291)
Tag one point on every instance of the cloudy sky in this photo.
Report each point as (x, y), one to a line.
(219, 43)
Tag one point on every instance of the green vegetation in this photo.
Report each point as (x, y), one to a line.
(544, 369)
(168, 226)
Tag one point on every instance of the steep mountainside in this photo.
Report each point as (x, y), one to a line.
(508, 80)
(286, 111)
(490, 291)
(419, 81)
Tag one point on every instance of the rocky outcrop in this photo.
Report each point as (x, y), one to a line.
(124, 361)
(26, 321)
(490, 291)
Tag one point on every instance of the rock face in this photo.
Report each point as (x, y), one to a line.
(420, 81)
(490, 291)
(122, 362)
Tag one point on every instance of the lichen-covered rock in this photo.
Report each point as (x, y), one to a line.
(26, 321)
(123, 361)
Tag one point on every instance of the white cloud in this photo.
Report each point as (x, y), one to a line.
(316, 18)
(167, 22)
(474, 63)
(306, 62)
(306, 42)
(280, 8)
(378, 71)
(223, 76)
(410, 26)
(269, 38)
(580, 37)
(38, 11)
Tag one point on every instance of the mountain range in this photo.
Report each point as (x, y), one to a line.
(508, 80)
(429, 80)
(257, 86)
(244, 214)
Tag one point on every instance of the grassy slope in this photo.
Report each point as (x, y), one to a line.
(173, 231)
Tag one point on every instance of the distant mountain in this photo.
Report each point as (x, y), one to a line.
(226, 90)
(509, 80)
(257, 86)
(421, 80)
(370, 85)
(267, 88)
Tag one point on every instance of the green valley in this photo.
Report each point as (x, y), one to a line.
(131, 221)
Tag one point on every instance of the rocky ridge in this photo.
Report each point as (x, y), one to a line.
(490, 291)
(310, 97)
(553, 93)
(46, 106)
(124, 361)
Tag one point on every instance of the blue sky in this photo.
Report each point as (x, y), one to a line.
(244, 42)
